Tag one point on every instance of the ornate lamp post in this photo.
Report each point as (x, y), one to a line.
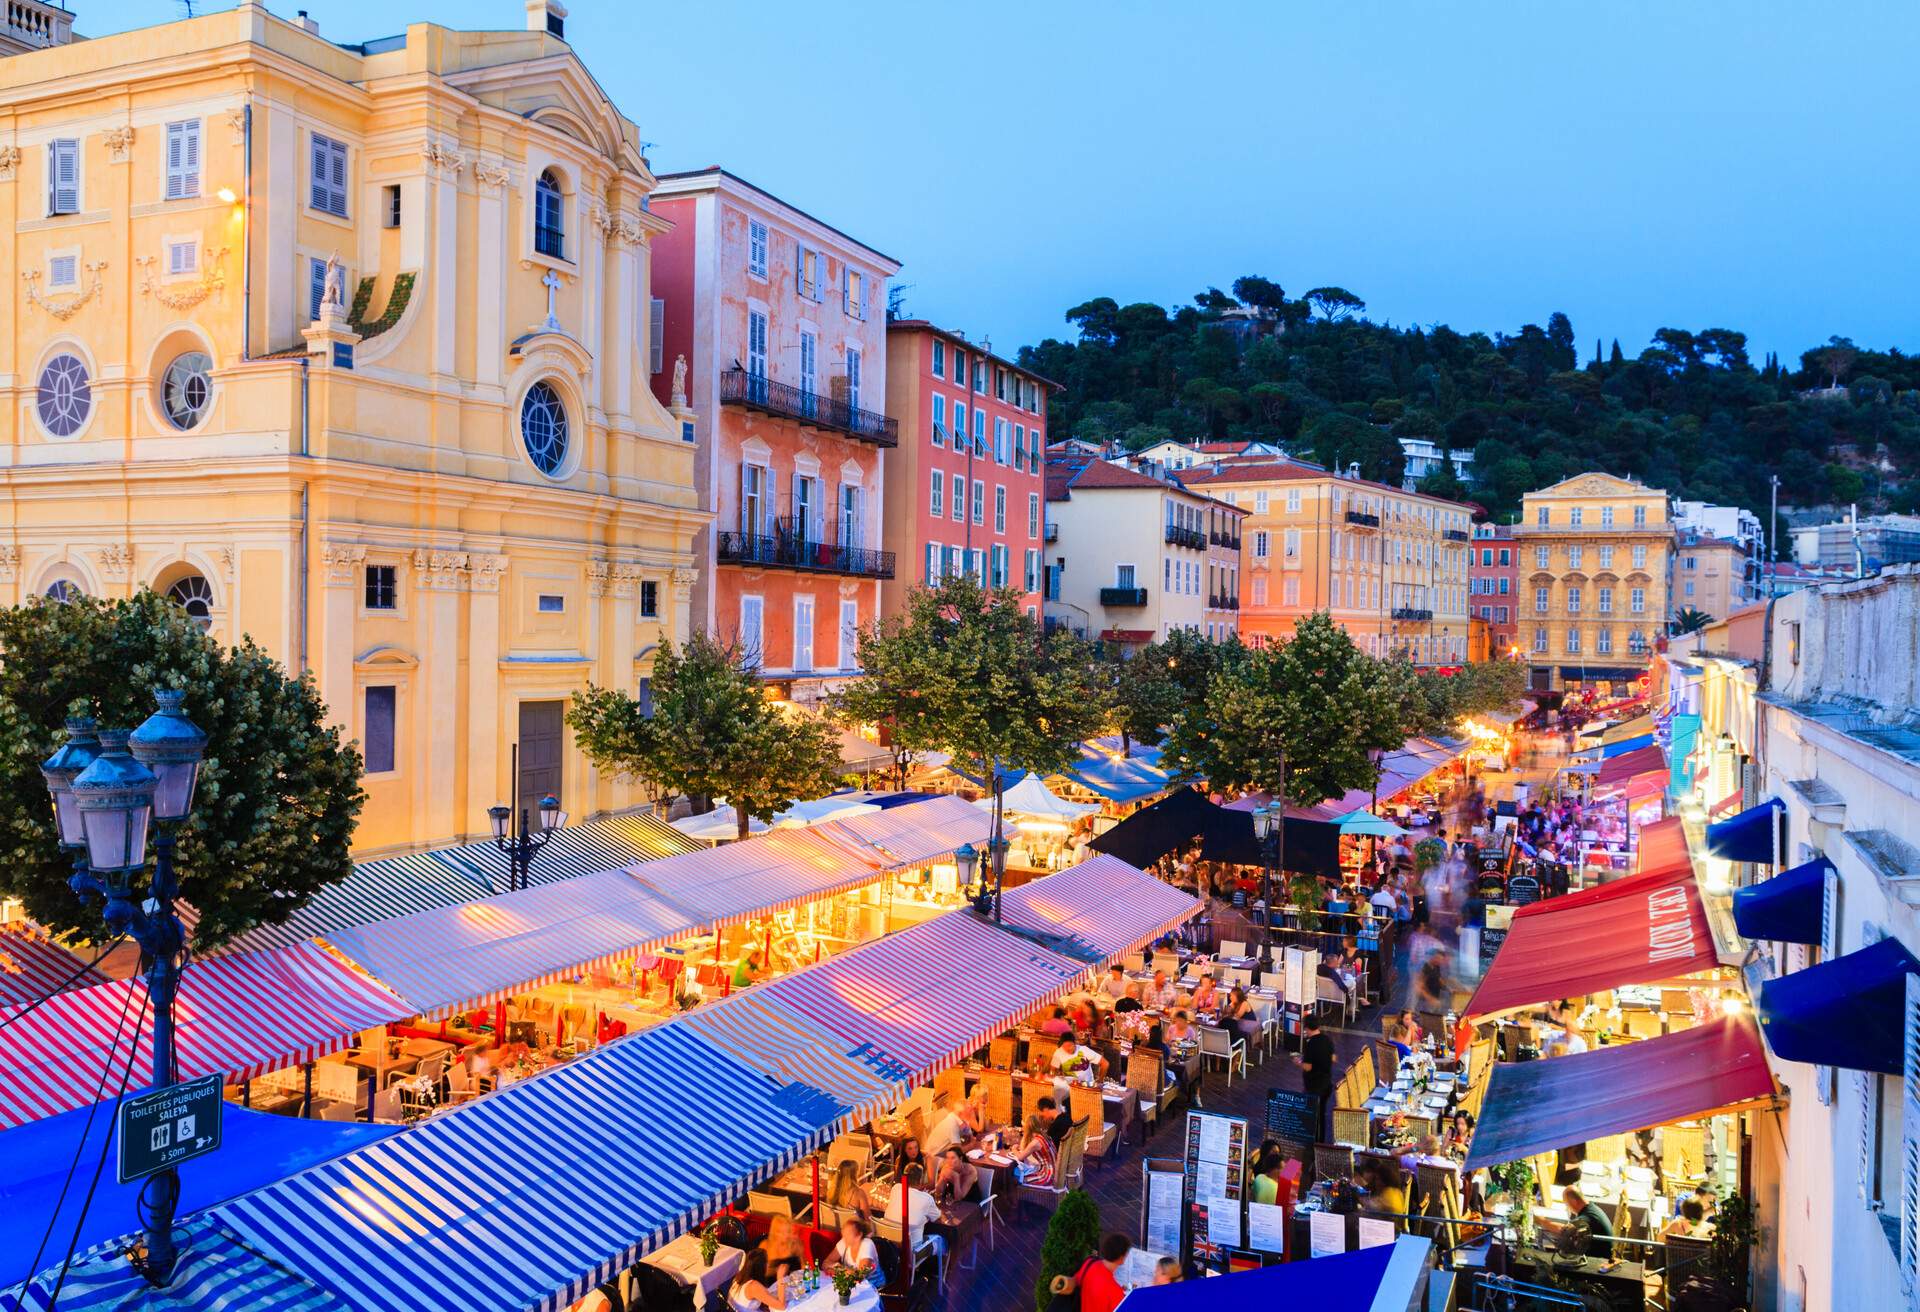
(1269, 826)
(107, 792)
(518, 840)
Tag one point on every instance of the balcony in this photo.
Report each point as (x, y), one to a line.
(1123, 596)
(1412, 614)
(1186, 537)
(785, 549)
(1052, 533)
(1363, 519)
(783, 401)
(1220, 601)
(1230, 540)
(1456, 535)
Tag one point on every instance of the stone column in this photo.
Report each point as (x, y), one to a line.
(343, 565)
(489, 287)
(440, 578)
(486, 749)
(683, 578)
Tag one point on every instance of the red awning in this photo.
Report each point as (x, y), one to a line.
(1535, 1106)
(1726, 803)
(1641, 760)
(1632, 931)
(32, 966)
(1663, 847)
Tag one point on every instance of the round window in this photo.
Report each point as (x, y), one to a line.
(187, 389)
(65, 397)
(194, 595)
(543, 427)
(64, 590)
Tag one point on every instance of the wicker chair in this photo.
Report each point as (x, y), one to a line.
(1351, 1125)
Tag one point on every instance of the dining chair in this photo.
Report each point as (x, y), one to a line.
(1232, 947)
(1352, 1125)
(386, 1106)
(1001, 1050)
(769, 1204)
(1332, 1161)
(1228, 1048)
(1089, 1105)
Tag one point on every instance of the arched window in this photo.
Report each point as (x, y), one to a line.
(549, 222)
(64, 590)
(543, 428)
(194, 595)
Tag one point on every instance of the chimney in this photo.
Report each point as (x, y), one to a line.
(306, 24)
(549, 16)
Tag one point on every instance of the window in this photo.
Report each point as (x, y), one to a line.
(809, 269)
(958, 497)
(1260, 544)
(1606, 517)
(939, 420)
(809, 368)
(183, 159)
(977, 564)
(1290, 590)
(1606, 600)
(383, 587)
(1689, 588)
(1486, 556)
(1574, 516)
(980, 376)
(377, 744)
(806, 507)
(63, 271)
(753, 499)
(1000, 434)
(936, 495)
(1690, 562)
(1543, 516)
(1573, 601)
(1540, 640)
(803, 633)
(1639, 516)
(1123, 576)
(1637, 601)
(853, 378)
(1639, 557)
(1573, 641)
(959, 367)
(979, 502)
(853, 292)
(959, 425)
(1033, 514)
(1259, 589)
(1540, 601)
(550, 603)
(656, 334)
(63, 177)
(756, 248)
(933, 563)
(390, 205)
(64, 590)
(1606, 557)
(1293, 501)
(194, 595)
(757, 348)
(1293, 544)
(316, 287)
(549, 223)
(939, 358)
(1574, 555)
(1506, 556)
(1000, 555)
(979, 430)
(649, 600)
(752, 630)
(327, 167)
(1543, 558)
(64, 397)
(183, 257)
(186, 389)
(849, 635)
(1603, 642)
(1259, 503)
(543, 428)
(999, 508)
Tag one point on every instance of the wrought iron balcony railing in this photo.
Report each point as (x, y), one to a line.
(738, 387)
(792, 551)
(1123, 596)
(1363, 519)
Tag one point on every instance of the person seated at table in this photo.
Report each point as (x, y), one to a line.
(945, 1129)
(1410, 1030)
(782, 1247)
(845, 1192)
(1178, 1030)
(1385, 1192)
(1599, 1224)
(1383, 901)
(749, 968)
(1033, 1160)
(957, 1178)
(1397, 1036)
(1158, 995)
(1084, 1015)
(912, 1153)
(1266, 1173)
(1708, 1200)
(1134, 999)
(1166, 1271)
(1206, 996)
(1459, 1134)
(1425, 1148)
(855, 1250)
(1240, 1014)
(1057, 1024)
(1690, 1222)
(910, 1204)
(1115, 984)
(1072, 1056)
(1054, 1120)
(972, 1113)
(755, 1288)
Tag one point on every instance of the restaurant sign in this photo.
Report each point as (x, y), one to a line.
(165, 1127)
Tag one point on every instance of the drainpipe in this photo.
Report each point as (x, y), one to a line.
(246, 229)
(305, 568)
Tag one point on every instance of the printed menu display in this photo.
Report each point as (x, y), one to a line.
(1163, 1210)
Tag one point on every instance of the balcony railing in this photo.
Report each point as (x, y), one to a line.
(787, 550)
(1363, 519)
(738, 387)
(1220, 601)
(1123, 596)
(1413, 614)
(1185, 537)
(1456, 535)
(1052, 533)
(1225, 540)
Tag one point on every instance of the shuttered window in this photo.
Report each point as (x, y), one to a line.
(327, 168)
(656, 330)
(316, 287)
(63, 177)
(183, 159)
(1910, 1148)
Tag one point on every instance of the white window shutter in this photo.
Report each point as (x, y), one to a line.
(63, 177)
(176, 151)
(1910, 1143)
(1824, 1078)
(1864, 1087)
(190, 161)
(800, 269)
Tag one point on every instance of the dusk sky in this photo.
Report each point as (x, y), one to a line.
(1747, 166)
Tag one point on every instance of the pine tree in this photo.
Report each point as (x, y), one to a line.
(1619, 357)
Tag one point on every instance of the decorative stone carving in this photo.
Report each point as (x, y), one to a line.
(66, 307)
(184, 296)
(486, 571)
(9, 564)
(683, 578)
(9, 162)
(237, 123)
(442, 159)
(849, 588)
(491, 173)
(224, 561)
(441, 571)
(115, 561)
(597, 573)
(626, 580)
(345, 563)
(679, 382)
(119, 144)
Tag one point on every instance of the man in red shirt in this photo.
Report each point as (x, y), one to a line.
(1099, 1290)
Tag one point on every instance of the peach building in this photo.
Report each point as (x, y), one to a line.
(965, 488)
(1390, 566)
(780, 320)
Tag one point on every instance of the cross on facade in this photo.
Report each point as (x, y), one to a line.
(552, 283)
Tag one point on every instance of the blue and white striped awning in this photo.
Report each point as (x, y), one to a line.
(217, 1272)
(532, 1197)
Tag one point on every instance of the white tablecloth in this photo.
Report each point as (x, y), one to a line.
(681, 1260)
(865, 1298)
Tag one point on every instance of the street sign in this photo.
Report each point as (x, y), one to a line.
(164, 1127)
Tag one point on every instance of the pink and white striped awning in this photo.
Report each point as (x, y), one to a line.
(1106, 906)
(32, 966)
(725, 885)
(902, 837)
(237, 1016)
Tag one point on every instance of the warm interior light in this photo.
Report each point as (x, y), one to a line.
(226, 194)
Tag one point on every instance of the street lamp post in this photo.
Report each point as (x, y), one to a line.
(1270, 827)
(107, 791)
(513, 835)
(966, 862)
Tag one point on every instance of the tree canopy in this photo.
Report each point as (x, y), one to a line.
(278, 794)
(1691, 413)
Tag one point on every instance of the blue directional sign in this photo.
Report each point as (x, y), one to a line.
(164, 1127)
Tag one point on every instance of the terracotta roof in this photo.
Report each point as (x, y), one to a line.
(1268, 470)
(1068, 472)
(960, 340)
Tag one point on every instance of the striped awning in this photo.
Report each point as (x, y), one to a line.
(724, 885)
(907, 836)
(1105, 905)
(217, 1272)
(32, 966)
(238, 1016)
(531, 1197)
(461, 956)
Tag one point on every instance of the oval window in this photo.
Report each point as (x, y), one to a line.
(65, 396)
(543, 428)
(187, 389)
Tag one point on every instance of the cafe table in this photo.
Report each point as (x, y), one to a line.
(681, 1260)
(864, 1298)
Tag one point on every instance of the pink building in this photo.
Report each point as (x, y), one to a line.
(1493, 582)
(965, 488)
(782, 322)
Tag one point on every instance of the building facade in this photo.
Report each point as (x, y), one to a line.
(1425, 456)
(1131, 558)
(1389, 566)
(966, 487)
(1595, 572)
(338, 347)
(781, 322)
(1493, 586)
(1710, 574)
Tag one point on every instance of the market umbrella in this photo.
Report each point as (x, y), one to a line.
(717, 825)
(1366, 822)
(822, 808)
(1031, 796)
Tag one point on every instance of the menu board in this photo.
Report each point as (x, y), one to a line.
(1490, 941)
(1163, 1201)
(1293, 1118)
(1326, 1234)
(1215, 1165)
(1374, 1232)
(1223, 1222)
(1267, 1227)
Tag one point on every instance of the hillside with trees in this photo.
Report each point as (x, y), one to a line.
(1689, 412)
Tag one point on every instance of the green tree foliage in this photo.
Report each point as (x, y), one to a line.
(278, 795)
(1690, 413)
(713, 733)
(1073, 1236)
(1690, 620)
(1145, 697)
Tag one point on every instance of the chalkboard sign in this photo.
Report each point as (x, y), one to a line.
(1490, 941)
(1522, 889)
(1293, 1118)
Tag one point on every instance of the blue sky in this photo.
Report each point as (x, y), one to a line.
(1747, 166)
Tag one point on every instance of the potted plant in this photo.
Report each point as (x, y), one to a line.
(709, 1243)
(846, 1279)
(1303, 891)
(1515, 1180)
(1428, 853)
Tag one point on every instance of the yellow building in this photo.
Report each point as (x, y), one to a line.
(1709, 574)
(1595, 560)
(1389, 566)
(344, 348)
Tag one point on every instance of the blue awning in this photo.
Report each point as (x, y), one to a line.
(1848, 1012)
(1684, 731)
(1788, 908)
(1750, 836)
(1625, 745)
(217, 1272)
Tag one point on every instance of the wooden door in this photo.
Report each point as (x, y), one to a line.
(542, 742)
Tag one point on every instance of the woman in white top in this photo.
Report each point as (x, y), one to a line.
(856, 1248)
(751, 1291)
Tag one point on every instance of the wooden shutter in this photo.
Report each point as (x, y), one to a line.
(183, 159)
(317, 192)
(656, 329)
(800, 268)
(1825, 1078)
(316, 286)
(63, 177)
(337, 175)
(1910, 1142)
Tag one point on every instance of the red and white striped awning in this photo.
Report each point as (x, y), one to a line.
(902, 837)
(237, 1016)
(33, 966)
(725, 885)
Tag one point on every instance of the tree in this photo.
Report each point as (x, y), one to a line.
(1334, 303)
(712, 733)
(1073, 1236)
(1690, 621)
(1145, 698)
(278, 792)
(1835, 359)
(965, 670)
(1259, 292)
